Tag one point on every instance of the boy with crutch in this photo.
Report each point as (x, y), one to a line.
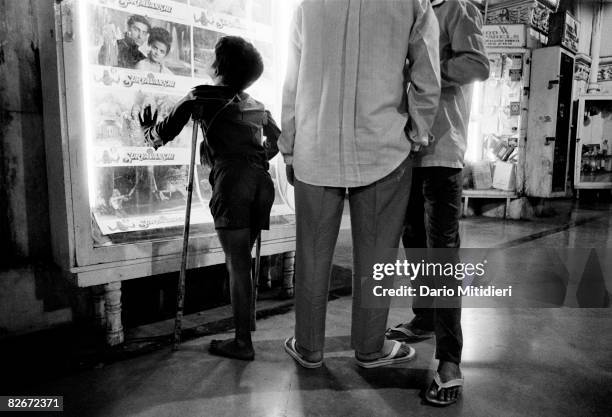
(243, 192)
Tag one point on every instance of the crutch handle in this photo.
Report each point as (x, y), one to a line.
(197, 111)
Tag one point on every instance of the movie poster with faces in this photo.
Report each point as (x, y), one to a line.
(151, 53)
(139, 42)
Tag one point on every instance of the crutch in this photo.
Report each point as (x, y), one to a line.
(256, 281)
(178, 322)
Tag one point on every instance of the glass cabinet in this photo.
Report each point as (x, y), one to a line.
(117, 205)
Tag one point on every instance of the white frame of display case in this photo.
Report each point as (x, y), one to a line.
(71, 224)
(578, 184)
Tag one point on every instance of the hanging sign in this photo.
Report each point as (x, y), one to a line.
(505, 36)
(571, 33)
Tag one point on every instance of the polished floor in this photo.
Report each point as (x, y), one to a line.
(516, 362)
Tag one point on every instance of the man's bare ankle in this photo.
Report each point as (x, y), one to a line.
(310, 356)
(386, 349)
(368, 356)
(449, 370)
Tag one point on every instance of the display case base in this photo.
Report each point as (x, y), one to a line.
(508, 196)
(107, 297)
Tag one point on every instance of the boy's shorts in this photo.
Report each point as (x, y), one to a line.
(243, 194)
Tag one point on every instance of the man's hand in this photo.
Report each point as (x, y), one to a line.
(290, 174)
(146, 118)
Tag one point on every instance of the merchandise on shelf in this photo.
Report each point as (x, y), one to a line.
(594, 166)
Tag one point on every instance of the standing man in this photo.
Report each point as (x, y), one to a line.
(346, 109)
(128, 48)
(432, 219)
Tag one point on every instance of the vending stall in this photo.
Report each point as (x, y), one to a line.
(117, 205)
(495, 153)
(518, 138)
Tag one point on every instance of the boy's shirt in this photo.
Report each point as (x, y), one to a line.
(233, 124)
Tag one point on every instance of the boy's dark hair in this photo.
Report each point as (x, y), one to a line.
(160, 35)
(237, 62)
(136, 18)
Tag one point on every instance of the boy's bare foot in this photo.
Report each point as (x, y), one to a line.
(232, 348)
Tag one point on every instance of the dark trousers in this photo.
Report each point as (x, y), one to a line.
(432, 221)
(377, 212)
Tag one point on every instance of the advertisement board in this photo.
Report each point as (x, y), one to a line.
(505, 36)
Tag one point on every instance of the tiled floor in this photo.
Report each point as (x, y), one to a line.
(516, 362)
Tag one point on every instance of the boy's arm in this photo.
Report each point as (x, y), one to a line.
(161, 133)
(272, 133)
(469, 61)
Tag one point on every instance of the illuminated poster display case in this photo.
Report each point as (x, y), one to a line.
(117, 206)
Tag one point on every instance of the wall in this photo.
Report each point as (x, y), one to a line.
(24, 187)
(583, 11)
(606, 33)
(584, 14)
(32, 295)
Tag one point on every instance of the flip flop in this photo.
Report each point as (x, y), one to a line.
(402, 334)
(391, 358)
(298, 357)
(438, 386)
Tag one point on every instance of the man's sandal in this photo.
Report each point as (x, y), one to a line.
(291, 349)
(409, 334)
(437, 386)
(407, 354)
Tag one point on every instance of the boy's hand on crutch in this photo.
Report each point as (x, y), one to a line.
(147, 120)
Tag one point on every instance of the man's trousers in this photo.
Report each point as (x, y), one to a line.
(432, 221)
(377, 220)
